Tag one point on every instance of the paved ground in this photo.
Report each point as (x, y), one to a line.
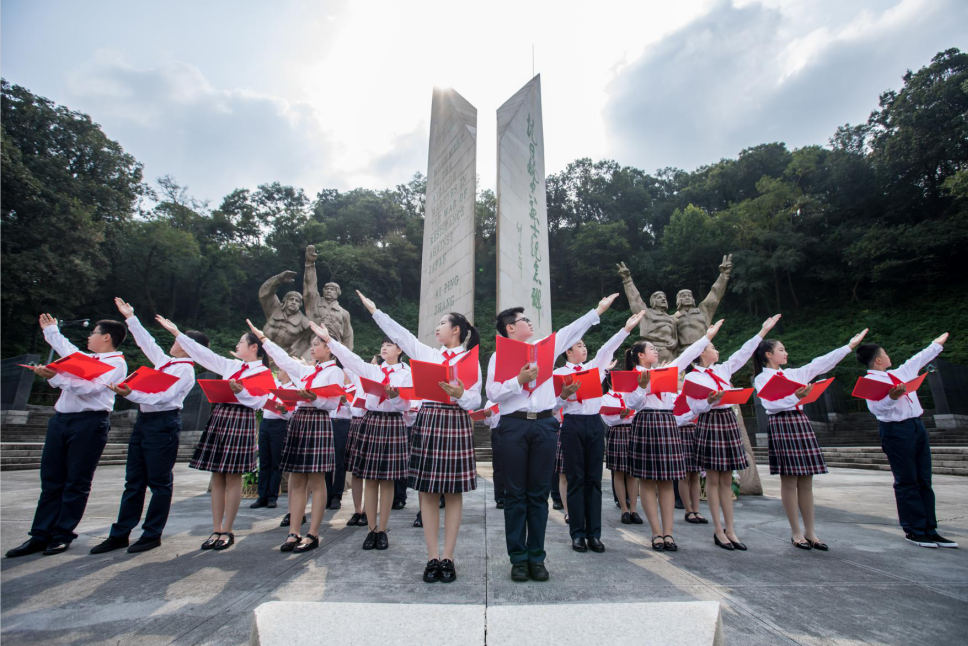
(872, 587)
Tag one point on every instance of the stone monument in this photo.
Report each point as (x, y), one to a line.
(285, 324)
(522, 216)
(447, 267)
(325, 309)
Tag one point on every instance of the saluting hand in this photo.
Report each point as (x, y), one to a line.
(941, 339)
(367, 303)
(768, 325)
(633, 321)
(320, 331)
(125, 308)
(168, 325)
(46, 320)
(854, 342)
(256, 331)
(606, 303)
(714, 329)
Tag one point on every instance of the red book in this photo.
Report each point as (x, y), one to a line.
(664, 380)
(818, 388)
(272, 402)
(778, 387)
(81, 366)
(329, 391)
(625, 381)
(591, 383)
(409, 393)
(513, 355)
(359, 401)
(150, 381)
(874, 390)
(735, 396)
(288, 396)
(615, 410)
(217, 391)
(681, 406)
(259, 384)
(374, 388)
(694, 390)
(480, 416)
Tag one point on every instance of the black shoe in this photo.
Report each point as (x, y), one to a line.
(499, 504)
(110, 544)
(212, 540)
(803, 545)
(626, 518)
(726, 546)
(636, 519)
(305, 547)
(418, 521)
(57, 547)
(538, 571)
(670, 544)
(940, 540)
(557, 505)
(285, 521)
(657, 543)
(354, 520)
(144, 544)
(432, 571)
(579, 545)
(679, 504)
(398, 505)
(32, 546)
(595, 545)
(618, 505)
(692, 518)
(443, 503)
(224, 543)
(370, 541)
(363, 522)
(448, 573)
(289, 545)
(271, 504)
(921, 540)
(519, 572)
(738, 546)
(259, 503)
(382, 542)
(335, 503)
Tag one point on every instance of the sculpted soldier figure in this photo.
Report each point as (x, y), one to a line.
(691, 321)
(286, 325)
(325, 309)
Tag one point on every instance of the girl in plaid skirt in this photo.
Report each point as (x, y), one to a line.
(229, 443)
(308, 452)
(656, 450)
(382, 451)
(358, 519)
(618, 441)
(689, 486)
(442, 451)
(794, 452)
(719, 444)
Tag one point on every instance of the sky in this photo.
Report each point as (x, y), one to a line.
(224, 95)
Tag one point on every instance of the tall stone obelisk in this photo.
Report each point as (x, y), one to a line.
(522, 213)
(447, 270)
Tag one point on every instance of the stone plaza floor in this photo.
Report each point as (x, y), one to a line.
(872, 587)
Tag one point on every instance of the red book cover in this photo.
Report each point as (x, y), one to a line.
(681, 406)
(150, 381)
(329, 391)
(874, 390)
(664, 380)
(735, 396)
(615, 410)
(466, 367)
(694, 390)
(625, 381)
(591, 383)
(818, 388)
(217, 391)
(480, 416)
(259, 384)
(778, 387)
(409, 393)
(374, 388)
(81, 366)
(514, 355)
(288, 396)
(426, 380)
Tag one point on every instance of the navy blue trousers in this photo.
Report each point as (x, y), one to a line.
(272, 437)
(583, 446)
(152, 451)
(336, 479)
(498, 467)
(908, 451)
(528, 457)
(72, 448)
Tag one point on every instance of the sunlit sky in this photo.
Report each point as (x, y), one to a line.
(224, 95)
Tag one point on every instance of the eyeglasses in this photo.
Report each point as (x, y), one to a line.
(523, 318)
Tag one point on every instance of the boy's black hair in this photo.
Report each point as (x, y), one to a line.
(867, 352)
(198, 337)
(116, 329)
(506, 318)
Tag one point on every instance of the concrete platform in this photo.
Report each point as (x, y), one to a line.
(872, 587)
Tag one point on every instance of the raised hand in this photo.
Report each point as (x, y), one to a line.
(125, 308)
(768, 325)
(714, 397)
(168, 325)
(454, 391)
(287, 277)
(633, 321)
(714, 329)
(803, 392)
(623, 271)
(367, 303)
(897, 391)
(727, 265)
(320, 331)
(857, 338)
(311, 254)
(46, 320)
(941, 339)
(606, 303)
(528, 374)
(122, 390)
(236, 386)
(256, 331)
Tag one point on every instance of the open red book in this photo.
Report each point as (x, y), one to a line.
(615, 410)
(409, 393)
(625, 381)
(874, 390)
(591, 383)
(272, 402)
(694, 390)
(290, 396)
(735, 396)
(81, 366)
(374, 388)
(778, 387)
(681, 406)
(818, 388)
(150, 381)
(664, 380)
(218, 391)
(427, 376)
(513, 355)
(480, 416)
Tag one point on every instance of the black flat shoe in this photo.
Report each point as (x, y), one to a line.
(520, 572)
(432, 571)
(57, 547)
(272, 504)
(259, 503)
(443, 503)
(448, 573)
(31, 546)
(636, 519)
(418, 521)
(382, 541)
(803, 545)
(726, 546)
(538, 571)
(691, 518)
(212, 540)
(669, 544)
(398, 505)
(821, 546)
(305, 547)
(353, 521)
(287, 518)
(335, 503)
(499, 504)
(679, 505)
(289, 545)
(224, 543)
(566, 519)
(657, 543)
(109, 545)
(557, 504)
(626, 519)
(370, 541)
(595, 545)
(144, 544)
(579, 545)
(702, 521)
(739, 546)
(363, 522)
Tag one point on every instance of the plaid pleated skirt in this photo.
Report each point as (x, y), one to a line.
(230, 441)
(794, 450)
(618, 440)
(442, 450)
(309, 444)
(687, 437)
(719, 444)
(656, 452)
(559, 456)
(352, 439)
(382, 451)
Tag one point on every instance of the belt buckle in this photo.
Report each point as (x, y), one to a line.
(532, 416)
